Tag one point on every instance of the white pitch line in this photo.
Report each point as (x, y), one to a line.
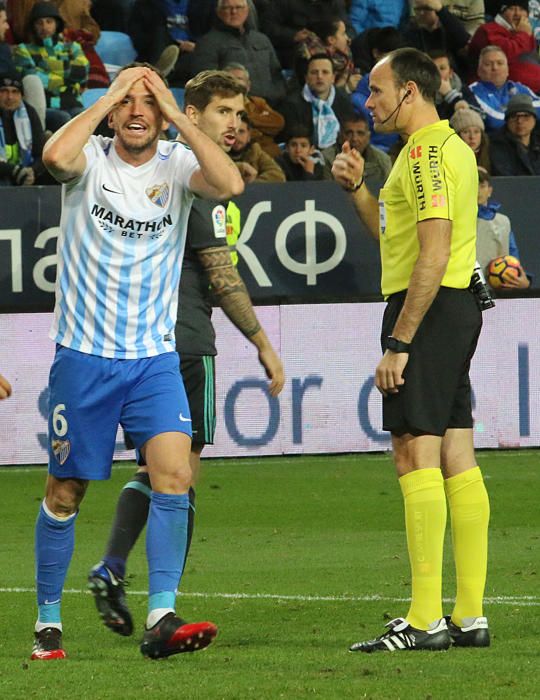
(492, 600)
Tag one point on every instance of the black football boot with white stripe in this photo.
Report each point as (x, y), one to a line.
(474, 633)
(404, 637)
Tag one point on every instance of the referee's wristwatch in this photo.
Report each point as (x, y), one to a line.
(395, 345)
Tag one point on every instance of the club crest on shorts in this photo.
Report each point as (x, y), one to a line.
(158, 194)
(61, 449)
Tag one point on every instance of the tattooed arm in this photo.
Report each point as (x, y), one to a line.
(233, 297)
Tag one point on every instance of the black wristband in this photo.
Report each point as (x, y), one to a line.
(395, 345)
(355, 188)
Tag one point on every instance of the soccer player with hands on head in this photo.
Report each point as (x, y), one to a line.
(126, 203)
(214, 102)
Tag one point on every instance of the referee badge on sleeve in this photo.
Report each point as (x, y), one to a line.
(219, 221)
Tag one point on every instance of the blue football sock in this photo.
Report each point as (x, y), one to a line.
(55, 538)
(166, 537)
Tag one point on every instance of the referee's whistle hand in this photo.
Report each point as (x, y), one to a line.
(389, 372)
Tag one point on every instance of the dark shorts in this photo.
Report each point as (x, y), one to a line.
(437, 390)
(198, 374)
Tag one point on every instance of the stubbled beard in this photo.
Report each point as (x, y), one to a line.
(135, 149)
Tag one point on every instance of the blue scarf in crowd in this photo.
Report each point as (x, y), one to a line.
(23, 129)
(325, 122)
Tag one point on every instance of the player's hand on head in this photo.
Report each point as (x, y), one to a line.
(164, 97)
(348, 166)
(274, 370)
(125, 80)
(5, 388)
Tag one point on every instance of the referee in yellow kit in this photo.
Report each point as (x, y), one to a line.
(425, 220)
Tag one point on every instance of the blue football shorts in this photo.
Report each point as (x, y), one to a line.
(89, 396)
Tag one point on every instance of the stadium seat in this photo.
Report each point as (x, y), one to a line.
(115, 50)
(88, 97)
(178, 93)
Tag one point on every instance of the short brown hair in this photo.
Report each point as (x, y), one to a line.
(201, 89)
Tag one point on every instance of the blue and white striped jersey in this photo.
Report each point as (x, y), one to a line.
(120, 252)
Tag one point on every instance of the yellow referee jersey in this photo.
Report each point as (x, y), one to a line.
(434, 177)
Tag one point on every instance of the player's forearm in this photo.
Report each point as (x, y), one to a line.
(66, 144)
(368, 209)
(235, 301)
(218, 170)
(424, 284)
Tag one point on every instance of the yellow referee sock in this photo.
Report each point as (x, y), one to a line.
(425, 523)
(469, 511)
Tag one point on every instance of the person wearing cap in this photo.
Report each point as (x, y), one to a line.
(493, 90)
(512, 32)
(61, 65)
(515, 149)
(469, 125)
(21, 136)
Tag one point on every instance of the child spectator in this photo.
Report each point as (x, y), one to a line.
(299, 161)
(452, 94)
(468, 124)
(254, 164)
(494, 235)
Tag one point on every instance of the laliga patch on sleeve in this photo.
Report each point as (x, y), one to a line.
(219, 221)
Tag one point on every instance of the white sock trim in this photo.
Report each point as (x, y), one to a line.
(154, 616)
(56, 517)
(43, 625)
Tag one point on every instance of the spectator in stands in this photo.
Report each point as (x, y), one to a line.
(319, 105)
(373, 44)
(512, 32)
(329, 36)
(469, 126)
(33, 89)
(286, 23)
(365, 14)
(378, 43)
(231, 39)
(21, 136)
(434, 27)
(155, 25)
(377, 167)
(300, 160)
(470, 12)
(81, 27)
(452, 94)
(493, 90)
(253, 163)
(515, 149)
(494, 235)
(266, 123)
(61, 66)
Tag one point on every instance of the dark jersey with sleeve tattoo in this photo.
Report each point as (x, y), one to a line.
(207, 228)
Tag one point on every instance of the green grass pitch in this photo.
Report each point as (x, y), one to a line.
(294, 559)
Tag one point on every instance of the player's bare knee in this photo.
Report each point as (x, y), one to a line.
(63, 496)
(172, 479)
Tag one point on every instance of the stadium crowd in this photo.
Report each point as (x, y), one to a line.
(486, 54)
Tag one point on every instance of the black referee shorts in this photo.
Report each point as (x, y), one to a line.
(198, 373)
(437, 390)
